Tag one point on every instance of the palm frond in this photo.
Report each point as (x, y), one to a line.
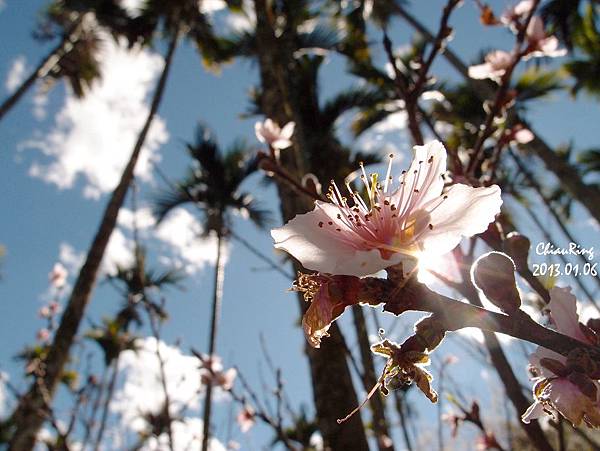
(167, 200)
(536, 83)
(320, 37)
(589, 160)
(561, 16)
(250, 208)
(367, 119)
(357, 97)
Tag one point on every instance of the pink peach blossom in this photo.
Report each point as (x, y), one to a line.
(43, 335)
(246, 418)
(211, 371)
(44, 312)
(539, 43)
(53, 307)
(270, 133)
(223, 379)
(557, 387)
(393, 226)
(522, 135)
(58, 276)
(514, 14)
(495, 66)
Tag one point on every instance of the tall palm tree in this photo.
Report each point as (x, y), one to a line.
(76, 23)
(113, 335)
(281, 43)
(173, 20)
(213, 185)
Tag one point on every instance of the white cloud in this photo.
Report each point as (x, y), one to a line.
(16, 74)
(392, 123)
(133, 7)
(141, 391)
(180, 234)
(242, 21)
(93, 137)
(69, 257)
(187, 435)
(143, 218)
(40, 102)
(119, 252)
(181, 231)
(385, 137)
(211, 6)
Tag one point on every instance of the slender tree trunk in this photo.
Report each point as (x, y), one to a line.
(377, 404)
(95, 408)
(109, 394)
(30, 413)
(212, 338)
(333, 391)
(568, 177)
(45, 65)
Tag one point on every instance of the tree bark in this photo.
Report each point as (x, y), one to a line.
(333, 391)
(568, 177)
(109, 394)
(212, 338)
(30, 413)
(377, 404)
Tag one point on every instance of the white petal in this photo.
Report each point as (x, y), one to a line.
(549, 47)
(523, 7)
(432, 184)
(535, 411)
(281, 143)
(429, 183)
(319, 250)
(467, 211)
(563, 310)
(524, 136)
(535, 29)
(258, 131)
(288, 130)
(271, 127)
(543, 353)
(481, 71)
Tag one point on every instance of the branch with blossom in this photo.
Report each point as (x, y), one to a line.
(345, 241)
(531, 41)
(487, 440)
(410, 90)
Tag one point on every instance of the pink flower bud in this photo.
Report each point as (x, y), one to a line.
(44, 312)
(494, 274)
(58, 276)
(517, 247)
(246, 419)
(43, 335)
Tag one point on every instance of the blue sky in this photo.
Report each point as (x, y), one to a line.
(38, 216)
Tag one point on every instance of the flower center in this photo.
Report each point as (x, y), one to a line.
(389, 222)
